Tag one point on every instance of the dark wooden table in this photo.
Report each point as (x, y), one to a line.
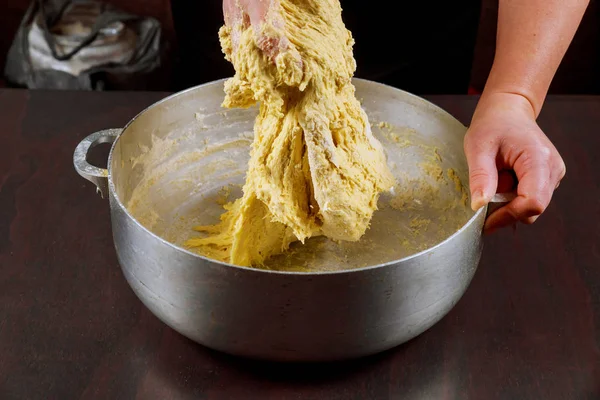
(70, 327)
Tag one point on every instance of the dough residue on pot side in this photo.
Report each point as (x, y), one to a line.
(315, 167)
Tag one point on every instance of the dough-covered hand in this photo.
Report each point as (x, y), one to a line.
(265, 19)
(315, 167)
(504, 136)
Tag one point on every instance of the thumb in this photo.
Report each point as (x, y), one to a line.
(483, 173)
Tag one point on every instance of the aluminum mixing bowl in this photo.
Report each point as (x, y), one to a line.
(176, 163)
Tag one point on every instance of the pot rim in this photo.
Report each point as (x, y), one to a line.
(120, 204)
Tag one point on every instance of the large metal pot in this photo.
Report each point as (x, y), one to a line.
(165, 169)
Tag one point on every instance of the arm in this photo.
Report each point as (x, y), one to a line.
(533, 36)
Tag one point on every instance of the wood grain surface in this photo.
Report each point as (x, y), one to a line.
(71, 328)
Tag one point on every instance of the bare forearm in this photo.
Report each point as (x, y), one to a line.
(533, 36)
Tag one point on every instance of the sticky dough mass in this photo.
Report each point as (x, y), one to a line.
(315, 167)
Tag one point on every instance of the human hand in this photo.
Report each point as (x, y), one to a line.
(241, 14)
(504, 136)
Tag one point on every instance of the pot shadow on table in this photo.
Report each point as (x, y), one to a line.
(303, 372)
(183, 367)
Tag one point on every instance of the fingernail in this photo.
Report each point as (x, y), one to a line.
(478, 201)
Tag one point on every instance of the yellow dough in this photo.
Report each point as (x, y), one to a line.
(315, 167)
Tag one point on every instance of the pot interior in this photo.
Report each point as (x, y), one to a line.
(178, 162)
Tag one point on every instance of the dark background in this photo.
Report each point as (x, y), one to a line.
(190, 32)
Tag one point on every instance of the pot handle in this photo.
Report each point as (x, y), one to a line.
(499, 200)
(98, 176)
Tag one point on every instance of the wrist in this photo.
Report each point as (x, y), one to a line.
(499, 103)
(519, 83)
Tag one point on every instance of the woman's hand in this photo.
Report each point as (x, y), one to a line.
(504, 136)
(235, 11)
(241, 14)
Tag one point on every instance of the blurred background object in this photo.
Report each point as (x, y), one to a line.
(191, 54)
(85, 44)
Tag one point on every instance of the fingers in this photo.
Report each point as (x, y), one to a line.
(256, 10)
(241, 14)
(518, 210)
(558, 172)
(536, 186)
(232, 12)
(483, 173)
